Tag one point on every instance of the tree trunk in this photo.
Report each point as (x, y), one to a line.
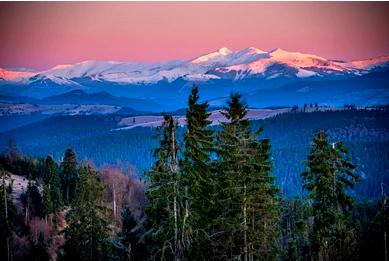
(8, 254)
(26, 215)
(67, 194)
(174, 167)
(245, 225)
(114, 201)
(176, 257)
(5, 202)
(186, 215)
(386, 251)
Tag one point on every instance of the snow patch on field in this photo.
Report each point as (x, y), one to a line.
(19, 185)
(7, 109)
(216, 117)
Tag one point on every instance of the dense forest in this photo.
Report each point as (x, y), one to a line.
(211, 193)
(364, 131)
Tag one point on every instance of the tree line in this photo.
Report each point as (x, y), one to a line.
(210, 197)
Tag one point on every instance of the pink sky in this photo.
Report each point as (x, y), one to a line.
(41, 35)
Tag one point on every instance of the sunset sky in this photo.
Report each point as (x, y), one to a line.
(41, 35)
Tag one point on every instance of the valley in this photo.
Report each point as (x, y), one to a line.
(123, 140)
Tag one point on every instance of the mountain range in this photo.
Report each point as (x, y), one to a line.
(265, 78)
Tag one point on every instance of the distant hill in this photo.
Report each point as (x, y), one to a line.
(17, 99)
(82, 98)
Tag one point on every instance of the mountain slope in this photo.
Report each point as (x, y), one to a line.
(82, 98)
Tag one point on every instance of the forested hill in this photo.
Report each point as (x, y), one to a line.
(364, 132)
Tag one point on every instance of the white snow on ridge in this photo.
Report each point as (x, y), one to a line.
(216, 117)
(219, 56)
(245, 62)
(305, 73)
(306, 65)
(370, 63)
(13, 75)
(225, 57)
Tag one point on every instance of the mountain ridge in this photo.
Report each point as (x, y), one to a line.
(251, 70)
(250, 59)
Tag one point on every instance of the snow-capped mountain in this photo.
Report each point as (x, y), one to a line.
(15, 75)
(277, 77)
(221, 64)
(288, 64)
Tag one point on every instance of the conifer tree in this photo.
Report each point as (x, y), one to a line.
(38, 251)
(247, 201)
(165, 197)
(295, 223)
(86, 236)
(128, 244)
(329, 176)
(32, 201)
(69, 175)
(47, 203)
(7, 215)
(199, 184)
(51, 180)
(292, 254)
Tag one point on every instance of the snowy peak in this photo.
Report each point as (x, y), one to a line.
(225, 57)
(382, 61)
(224, 51)
(252, 50)
(311, 62)
(280, 53)
(279, 62)
(85, 68)
(219, 56)
(13, 75)
(61, 66)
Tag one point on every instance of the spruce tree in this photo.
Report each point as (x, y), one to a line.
(86, 236)
(295, 224)
(329, 176)
(39, 250)
(7, 215)
(129, 245)
(165, 197)
(32, 200)
(47, 203)
(199, 180)
(51, 179)
(69, 176)
(247, 203)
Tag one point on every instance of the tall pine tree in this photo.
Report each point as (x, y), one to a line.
(52, 195)
(7, 215)
(47, 203)
(129, 245)
(165, 197)
(69, 176)
(32, 200)
(86, 236)
(199, 179)
(247, 203)
(329, 176)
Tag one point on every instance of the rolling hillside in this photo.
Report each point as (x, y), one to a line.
(365, 133)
